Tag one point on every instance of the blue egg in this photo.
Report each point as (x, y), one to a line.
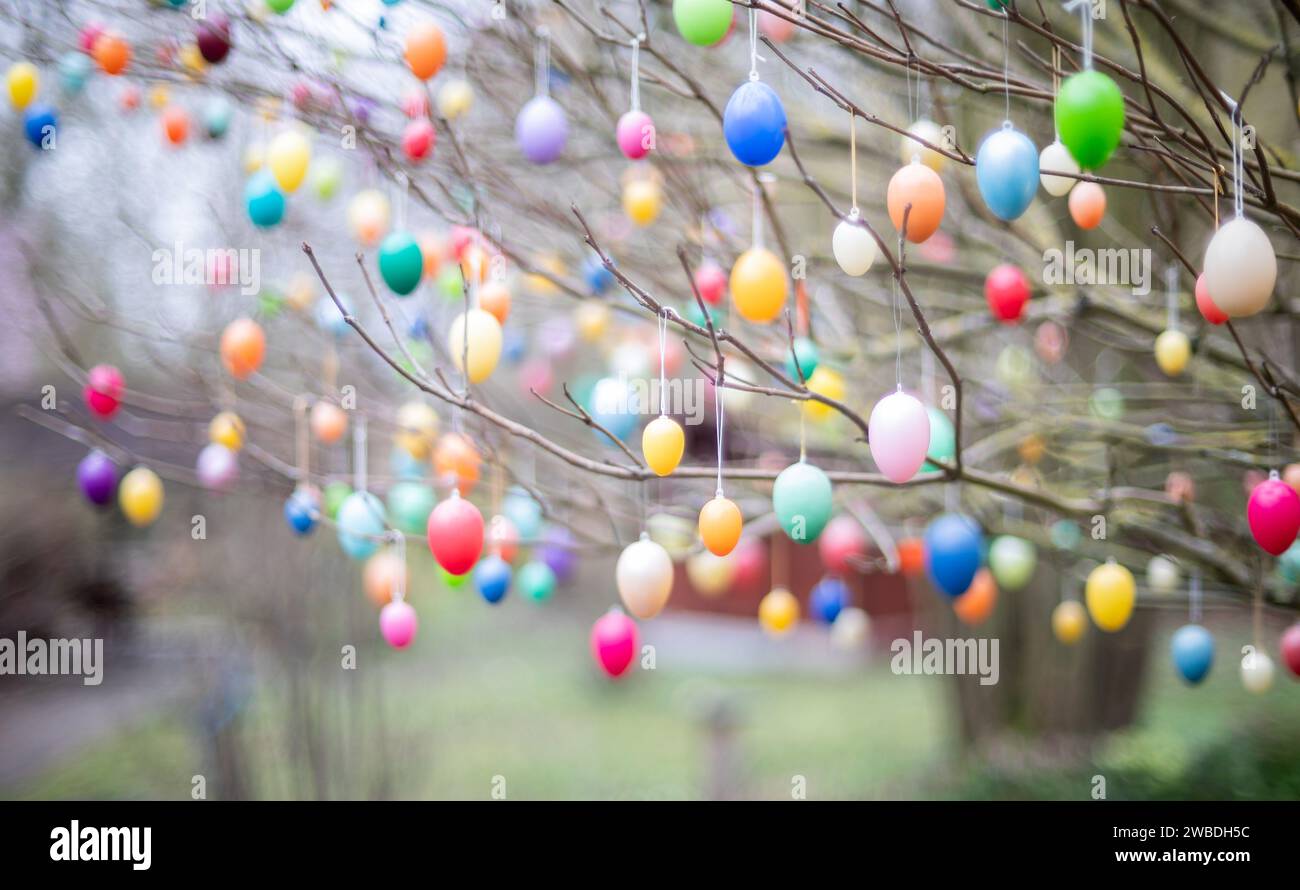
(598, 278)
(41, 124)
(418, 329)
(513, 345)
(1193, 650)
(610, 405)
(1006, 168)
(301, 511)
(361, 523)
(523, 510)
(265, 200)
(404, 466)
(74, 68)
(953, 551)
(754, 124)
(828, 598)
(492, 578)
(216, 117)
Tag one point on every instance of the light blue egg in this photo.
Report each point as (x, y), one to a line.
(523, 510)
(404, 466)
(1006, 168)
(1192, 648)
(610, 405)
(754, 123)
(361, 523)
(74, 69)
(216, 117)
(328, 317)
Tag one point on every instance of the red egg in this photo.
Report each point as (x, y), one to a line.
(711, 280)
(842, 542)
(418, 139)
(1291, 648)
(1050, 342)
(749, 561)
(1274, 515)
(614, 642)
(460, 238)
(176, 124)
(103, 392)
(1007, 291)
(1212, 313)
(911, 556)
(455, 533)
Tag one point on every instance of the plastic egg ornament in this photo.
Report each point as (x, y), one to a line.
(1163, 577)
(635, 134)
(524, 513)
(217, 467)
(953, 551)
(1173, 352)
(279, 7)
(759, 285)
(1240, 268)
(614, 643)
(778, 612)
(384, 574)
(492, 578)
(662, 442)
(943, 440)
(213, 38)
(368, 216)
(853, 246)
(1006, 170)
(23, 80)
(541, 130)
(1273, 513)
(360, 524)
(455, 534)
(243, 346)
(1013, 561)
(328, 422)
(1257, 672)
(1110, 593)
(287, 158)
(426, 50)
(710, 575)
(503, 538)
(1192, 649)
(675, 534)
(1069, 621)
(976, 605)
(535, 581)
(1006, 289)
(909, 149)
(474, 343)
(1057, 157)
(1087, 205)
(702, 22)
(711, 282)
(111, 52)
(264, 200)
(1290, 647)
(456, 462)
(851, 628)
(801, 498)
(1205, 304)
(917, 185)
(302, 510)
(140, 496)
(409, 504)
(842, 543)
(97, 478)
(827, 599)
(1090, 117)
(74, 69)
(644, 577)
(642, 200)
(401, 264)
(809, 358)
(557, 551)
(455, 98)
(754, 123)
(40, 125)
(898, 432)
(103, 391)
(176, 124)
(720, 525)
(398, 624)
(418, 140)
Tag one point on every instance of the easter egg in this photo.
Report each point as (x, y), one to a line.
(825, 381)
(426, 50)
(111, 52)
(1006, 170)
(409, 505)
(943, 440)
(264, 200)
(720, 525)
(1110, 593)
(140, 496)
(801, 498)
(911, 557)
(398, 624)
(474, 343)
(455, 534)
(1065, 534)
(1192, 648)
(592, 317)
(385, 573)
(1273, 513)
(456, 462)
(418, 139)
(243, 346)
(1205, 304)
(401, 264)
(503, 537)
(455, 98)
(614, 642)
(74, 69)
(360, 524)
(753, 123)
(1257, 672)
(23, 80)
(711, 282)
(97, 478)
(494, 298)
(326, 177)
(216, 117)
(1013, 561)
(749, 561)
(1107, 403)
(778, 612)
(702, 22)
(851, 628)
(953, 545)
(541, 130)
(1050, 342)
(213, 38)
(919, 187)
(368, 216)
(1087, 205)
(288, 157)
(1057, 157)
(279, 7)
(41, 125)
(103, 391)
(1290, 648)
(642, 200)
(557, 551)
(417, 427)
(302, 510)
(1006, 289)
(662, 443)
(217, 467)
(1069, 621)
(853, 246)
(827, 599)
(644, 577)
(976, 605)
(1240, 268)
(536, 581)
(909, 149)
(635, 134)
(492, 578)
(898, 432)
(805, 350)
(1173, 351)
(524, 512)
(759, 285)
(328, 422)
(334, 495)
(1090, 117)
(842, 543)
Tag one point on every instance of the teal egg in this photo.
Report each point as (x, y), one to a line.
(943, 438)
(536, 581)
(74, 69)
(361, 523)
(809, 357)
(1065, 534)
(1288, 564)
(409, 506)
(802, 500)
(216, 117)
(1107, 404)
(265, 201)
(401, 263)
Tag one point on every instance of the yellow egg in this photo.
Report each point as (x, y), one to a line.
(483, 332)
(417, 427)
(540, 284)
(827, 382)
(662, 443)
(592, 319)
(642, 200)
(1173, 352)
(227, 429)
(1069, 621)
(23, 81)
(159, 97)
(301, 294)
(254, 157)
(192, 59)
(759, 285)
(710, 574)
(140, 495)
(909, 148)
(1110, 594)
(455, 98)
(778, 611)
(288, 158)
(720, 525)
(368, 216)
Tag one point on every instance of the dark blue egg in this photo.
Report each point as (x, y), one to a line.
(40, 124)
(828, 599)
(492, 578)
(754, 123)
(301, 512)
(954, 549)
(1192, 648)
(598, 278)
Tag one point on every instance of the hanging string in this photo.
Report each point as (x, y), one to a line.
(1194, 597)
(399, 579)
(1238, 162)
(778, 573)
(1056, 85)
(853, 163)
(803, 435)
(636, 72)
(302, 445)
(1006, 60)
(1085, 12)
(359, 452)
(403, 189)
(542, 62)
(754, 57)
(662, 323)
(1218, 185)
(896, 310)
(1171, 297)
(719, 413)
(757, 222)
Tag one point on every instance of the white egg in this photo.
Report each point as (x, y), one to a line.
(853, 246)
(1240, 268)
(1057, 157)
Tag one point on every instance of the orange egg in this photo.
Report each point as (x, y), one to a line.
(976, 605)
(911, 557)
(720, 525)
(494, 297)
(475, 262)
(1087, 204)
(112, 53)
(918, 185)
(456, 460)
(176, 124)
(243, 346)
(381, 575)
(426, 50)
(432, 249)
(328, 422)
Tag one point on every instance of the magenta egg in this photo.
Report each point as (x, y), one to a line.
(398, 623)
(636, 134)
(1274, 515)
(103, 392)
(614, 642)
(418, 139)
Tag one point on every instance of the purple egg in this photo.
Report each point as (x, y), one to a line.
(557, 552)
(541, 130)
(217, 467)
(362, 108)
(97, 477)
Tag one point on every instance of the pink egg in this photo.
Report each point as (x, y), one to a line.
(774, 27)
(750, 562)
(899, 435)
(88, 35)
(535, 376)
(398, 623)
(218, 467)
(418, 139)
(841, 543)
(636, 134)
(614, 642)
(711, 280)
(415, 103)
(103, 392)
(1274, 515)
